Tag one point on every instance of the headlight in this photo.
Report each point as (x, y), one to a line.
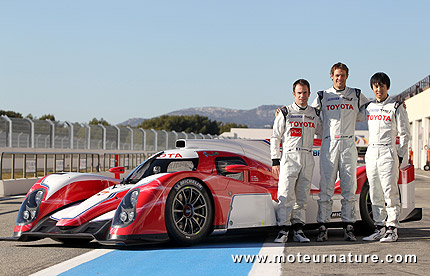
(123, 216)
(30, 207)
(126, 211)
(133, 197)
(26, 215)
(39, 196)
(131, 216)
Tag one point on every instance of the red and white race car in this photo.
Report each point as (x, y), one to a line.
(185, 194)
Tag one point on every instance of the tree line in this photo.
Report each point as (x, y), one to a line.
(13, 114)
(189, 123)
(178, 123)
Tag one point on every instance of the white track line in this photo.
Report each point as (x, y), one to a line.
(271, 250)
(69, 264)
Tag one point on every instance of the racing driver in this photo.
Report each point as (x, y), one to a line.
(339, 106)
(387, 119)
(295, 126)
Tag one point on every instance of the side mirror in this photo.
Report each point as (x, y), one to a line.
(117, 171)
(236, 168)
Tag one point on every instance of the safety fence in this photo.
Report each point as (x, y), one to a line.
(26, 133)
(15, 165)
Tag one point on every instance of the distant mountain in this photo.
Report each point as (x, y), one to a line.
(260, 117)
(134, 122)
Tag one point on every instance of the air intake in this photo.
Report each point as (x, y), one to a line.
(180, 144)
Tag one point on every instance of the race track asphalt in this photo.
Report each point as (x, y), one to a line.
(18, 258)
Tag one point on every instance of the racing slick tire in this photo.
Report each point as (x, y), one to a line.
(189, 212)
(367, 224)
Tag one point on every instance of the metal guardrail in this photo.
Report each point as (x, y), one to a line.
(26, 133)
(126, 160)
(35, 164)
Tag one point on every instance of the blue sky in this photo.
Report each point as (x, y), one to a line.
(123, 59)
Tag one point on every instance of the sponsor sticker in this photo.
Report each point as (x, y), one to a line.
(59, 165)
(339, 106)
(170, 155)
(82, 164)
(379, 118)
(302, 124)
(210, 154)
(296, 132)
(31, 166)
(185, 182)
(336, 214)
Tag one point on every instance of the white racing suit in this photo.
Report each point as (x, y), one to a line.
(339, 110)
(296, 127)
(386, 120)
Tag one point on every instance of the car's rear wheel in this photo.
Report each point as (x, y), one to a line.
(366, 209)
(189, 212)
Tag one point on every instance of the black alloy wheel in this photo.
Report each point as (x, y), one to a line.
(189, 212)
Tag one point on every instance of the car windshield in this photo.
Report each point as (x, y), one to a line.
(153, 166)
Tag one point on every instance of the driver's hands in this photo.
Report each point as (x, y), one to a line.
(278, 110)
(275, 171)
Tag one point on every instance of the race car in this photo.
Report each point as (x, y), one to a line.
(200, 188)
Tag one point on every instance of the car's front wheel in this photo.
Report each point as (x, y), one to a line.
(189, 212)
